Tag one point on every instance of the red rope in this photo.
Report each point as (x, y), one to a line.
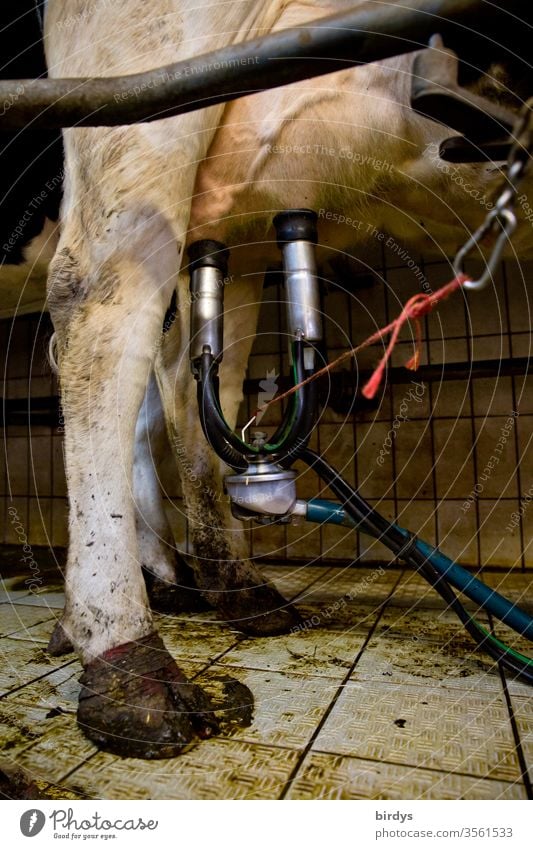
(413, 310)
(416, 307)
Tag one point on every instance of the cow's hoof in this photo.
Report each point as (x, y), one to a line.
(136, 702)
(258, 611)
(165, 597)
(59, 643)
(233, 702)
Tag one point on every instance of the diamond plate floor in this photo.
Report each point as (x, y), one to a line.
(378, 695)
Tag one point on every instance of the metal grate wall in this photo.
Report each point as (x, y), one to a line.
(421, 453)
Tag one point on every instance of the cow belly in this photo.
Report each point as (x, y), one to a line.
(349, 146)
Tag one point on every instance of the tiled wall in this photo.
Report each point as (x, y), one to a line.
(433, 470)
(32, 477)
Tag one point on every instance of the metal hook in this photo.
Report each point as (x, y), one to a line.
(508, 221)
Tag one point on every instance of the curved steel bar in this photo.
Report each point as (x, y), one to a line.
(372, 31)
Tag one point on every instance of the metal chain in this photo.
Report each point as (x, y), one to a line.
(502, 220)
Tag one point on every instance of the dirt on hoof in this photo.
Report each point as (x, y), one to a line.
(136, 702)
(258, 611)
(59, 644)
(233, 702)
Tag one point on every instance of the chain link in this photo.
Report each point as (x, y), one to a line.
(501, 221)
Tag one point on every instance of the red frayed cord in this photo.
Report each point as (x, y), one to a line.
(413, 310)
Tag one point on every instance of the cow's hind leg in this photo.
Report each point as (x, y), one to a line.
(108, 317)
(223, 570)
(169, 579)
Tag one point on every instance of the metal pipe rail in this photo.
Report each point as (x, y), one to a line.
(372, 31)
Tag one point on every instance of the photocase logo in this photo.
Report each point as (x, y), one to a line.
(268, 389)
(32, 822)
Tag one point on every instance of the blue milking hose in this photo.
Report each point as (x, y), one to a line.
(320, 510)
(476, 590)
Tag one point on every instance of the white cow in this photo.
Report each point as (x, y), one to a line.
(134, 197)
